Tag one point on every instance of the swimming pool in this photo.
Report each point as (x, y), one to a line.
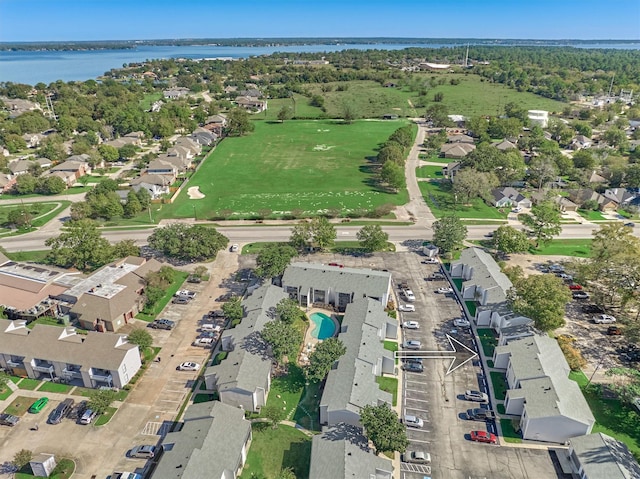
(325, 327)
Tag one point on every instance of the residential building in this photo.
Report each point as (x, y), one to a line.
(538, 117)
(216, 124)
(156, 184)
(175, 93)
(505, 145)
(459, 138)
(21, 167)
(580, 142)
(189, 144)
(49, 352)
(212, 442)
(597, 456)
(341, 451)
(251, 103)
(310, 283)
(204, 137)
(450, 169)
(76, 165)
(164, 166)
(551, 406)
(352, 384)
(456, 150)
(243, 378)
(509, 197)
(582, 195)
(622, 196)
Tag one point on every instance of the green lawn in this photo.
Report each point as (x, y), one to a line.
(50, 387)
(565, 247)
(488, 340)
(391, 346)
(591, 215)
(299, 105)
(509, 433)
(49, 321)
(63, 470)
(146, 314)
(389, 385)
(439, 198)
(105, 417)
(148, 100)
(429, 171)
(19, 406)
(41, 213)
(310, 166)
(613, 418)
(286, 391)
(29, 384)
(307, 413)
(499, 383)
(35, 256)
(276, 449)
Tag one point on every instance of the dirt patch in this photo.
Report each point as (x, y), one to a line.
(528, 262)
(194, 193)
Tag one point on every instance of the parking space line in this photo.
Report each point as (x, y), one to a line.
(415, 399)
(416, 409)
(169, 400)
(414, 391)
(420, 441)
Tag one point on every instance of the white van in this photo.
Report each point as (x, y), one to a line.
(87, 417)
(209, 328)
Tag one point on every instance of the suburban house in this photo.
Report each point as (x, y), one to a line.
(189, 144)
(204, 137)
(352, 384)
(175, 93)
(20, 167)
(509, 197)
(456, 150)
(134, 138)
(156, 184)
(251, 103)
(310, 283)
(212, 441)
(460, 139)
(76, 165)
(111, 296)
(580, 142)
(342, 451)
(33, 139)
(18, 106)
(582, 195)
(50, 352)
(596, 456)
(596, 178)
(505, 145)
(6, 182)
(164, 166)
(243, 378)
(479, 279)
(622, 196)
(551, 406)
(450, 169)
(216, 124)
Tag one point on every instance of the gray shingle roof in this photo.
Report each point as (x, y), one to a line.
(208, 445)
(602, 456)
(341, 452)
(486, 274)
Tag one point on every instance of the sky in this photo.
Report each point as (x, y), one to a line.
(68, 20)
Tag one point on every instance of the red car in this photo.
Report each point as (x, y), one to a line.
(575, 287)
(484, 436)
(336, 264)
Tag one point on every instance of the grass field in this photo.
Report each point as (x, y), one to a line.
(299, 105)
(441, 202)
(149, 314)
(40, 212)
(429, 171)
(389, 385)
(50, 387)
(565, 247)
(591, 215)
(35, 256)
(19, 406)
(276, 449)
(148, 100)
(311, 166)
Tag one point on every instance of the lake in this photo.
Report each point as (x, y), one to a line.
(31, 67)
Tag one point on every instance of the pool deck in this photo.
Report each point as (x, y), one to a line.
(310, 342)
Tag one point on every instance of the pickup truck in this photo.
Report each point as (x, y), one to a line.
(480, 414)
(185, 293)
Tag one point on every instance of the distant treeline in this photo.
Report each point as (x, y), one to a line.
(270, 42)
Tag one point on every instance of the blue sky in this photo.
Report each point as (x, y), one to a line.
(59, 20)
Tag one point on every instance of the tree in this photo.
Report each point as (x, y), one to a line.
(233, 309)
(383, 429)
(323, 233)
(348, 113)
(284, 339)
(109, 153)
(125, 248)
(584, 159)
(100, 400)
(14, 143)
(128, 151)
(632, 175)
(628, 388)
(273, 259)
(287, 473)
(323, 357)
(541, 297)
(449, 233)
(616, 137)
(301, 235)
(81, 246)
(132, 207)
(509, 240)
(144, 197)
(542, 170)
(469, 184)
(393, 152)
(288, 310)
(438, 114)
(393, 175)
(22, 458)
(543, 222)
(372, 238)
(285, 113)
(141, 338)
(274, 414)
(191, 243)
(25, 184)
(20, 217)
(238, 122)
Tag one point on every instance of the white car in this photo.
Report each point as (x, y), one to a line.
(413, 421)
(203, 342)
(444, 290)
(477, 396)
(188, 366)
(407, 308)
(411, 325)
(185, 293)
(461, 323)
(430, 261)
(408, 294)
(234, 248)
(604, 319)
(413, 344)
(517, 209)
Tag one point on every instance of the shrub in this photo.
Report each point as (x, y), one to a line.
(572, 355)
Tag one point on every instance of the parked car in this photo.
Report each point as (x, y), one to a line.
(592, 309)
(417, 457)
(188, 366)
(203, 342)
(430, 261)
(411, 325)
(580, 295)
(413, 367)
(517, 209)
(480, 414)
(412, 344)
(125, 475)
(461, 323)
(185, 293)
(338, 265)
(471, 395)
(8, 420)
(614, 331)
(408, 294)
(76, 411)
(556, 268)
(39, 405)
(407, 308)
(143, 452)
(484, 436)
(413, 421)
(604, 319)
(181, 300)
(630, 224)
(61, 410)
(565, 276)
(234, 248)
(218, 313)
(413, 360)
(87, 416)
(224, 297)
(444, 290)
(575, 287)
(162, 324)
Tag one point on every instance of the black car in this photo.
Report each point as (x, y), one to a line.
(592, 309)
(162, 324)
(8, 420)
(76, 411)
(218, 313)
(413, 367)
(60, 411)
(224, 297)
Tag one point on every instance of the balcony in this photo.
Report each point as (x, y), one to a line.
(102, 377)
(15, 363)
(44, 368)
(71, 373)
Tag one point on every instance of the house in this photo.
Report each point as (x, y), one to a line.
(251, 103)
(482, 282)
(204, 137)
(6, 182)
(77, 167)
(580, 142)
(456, 150)
(212, 441)
(342, 451)
(69, 177)
(596, 456)
(565, 204)
(49, 352)
(243, 378)
(175, 93)
(509, 197)
(110, 297)
(352, 384)
(310, 283)
(252, 92)
(505, 145)
(460, 139)
(582, 195)
(164, 166)
(596, 178)
(450, 169)
(18, 106)
(550, 405)
(156, 184)
(216, 124)
(33, 140)
(189, 144)
(622, 196)
(22, 166)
